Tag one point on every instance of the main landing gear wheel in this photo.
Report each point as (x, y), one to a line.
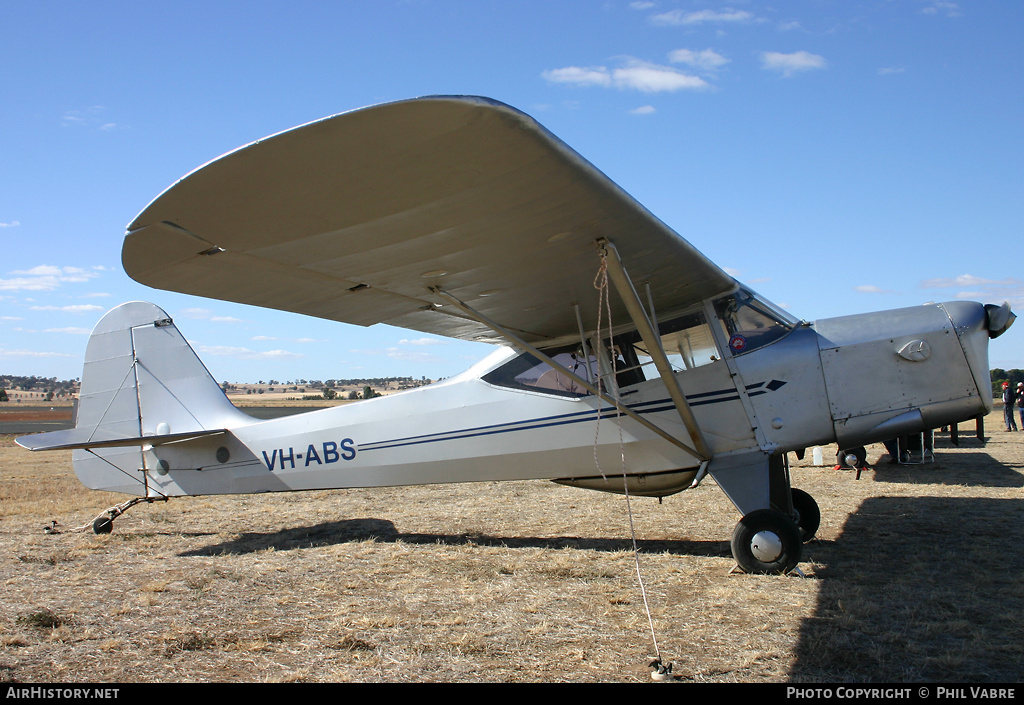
(808, 516)
(766, 541)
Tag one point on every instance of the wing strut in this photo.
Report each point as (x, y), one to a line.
(586, 384)
(652, 340)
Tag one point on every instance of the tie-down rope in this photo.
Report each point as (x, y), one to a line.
(604, 305)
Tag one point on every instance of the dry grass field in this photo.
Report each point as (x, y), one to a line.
(914, 576)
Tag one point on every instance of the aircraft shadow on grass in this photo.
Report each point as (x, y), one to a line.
(384, 531)
(917, 589)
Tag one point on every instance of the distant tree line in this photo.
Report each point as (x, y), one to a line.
(365, 382)
(329, 392)
(48, 388)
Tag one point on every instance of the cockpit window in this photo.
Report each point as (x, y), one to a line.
(687, 341)
(750, 323)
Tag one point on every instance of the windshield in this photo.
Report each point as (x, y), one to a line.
(751, 323)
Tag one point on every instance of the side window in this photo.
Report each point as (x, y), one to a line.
(528, 372)
(687, 341)
(750, 323)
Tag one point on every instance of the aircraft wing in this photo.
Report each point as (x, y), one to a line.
(356, 217)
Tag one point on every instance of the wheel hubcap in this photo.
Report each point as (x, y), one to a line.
(766, 546)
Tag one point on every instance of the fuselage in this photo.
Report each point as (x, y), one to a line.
(848, 380)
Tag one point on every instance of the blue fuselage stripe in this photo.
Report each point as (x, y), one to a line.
(590, 415)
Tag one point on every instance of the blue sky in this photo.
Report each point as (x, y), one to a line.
(838, 156)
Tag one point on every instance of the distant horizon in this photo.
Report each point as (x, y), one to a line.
(347, 381)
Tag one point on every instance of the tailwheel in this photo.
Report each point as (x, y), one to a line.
(104, 523)
(808, 516)
(766, 541)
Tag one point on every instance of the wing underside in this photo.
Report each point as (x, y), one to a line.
(361, 216)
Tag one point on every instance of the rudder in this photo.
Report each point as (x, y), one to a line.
(141, 384)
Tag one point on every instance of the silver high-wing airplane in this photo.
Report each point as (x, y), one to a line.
(463, 217)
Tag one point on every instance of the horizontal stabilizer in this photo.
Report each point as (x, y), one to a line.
(81, 438)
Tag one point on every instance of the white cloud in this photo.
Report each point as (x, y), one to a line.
(69, 329)
(91, 117)
(397, 353)
(975, 288)
(412, 355)
(651, 78)
(205, 314)
(422, 341)
(704, 60)
(950, 9)
(871, 289)
(75, 308)
(245, 353)
(12, 224)
(681, 18)
(789, 64)
(43, 270)
(28, 284)
(45, 277)
(265, 338)
(961, 280)
(579, 76)
(633, 75)
(278, 354)
(30, 353)
(643, 110)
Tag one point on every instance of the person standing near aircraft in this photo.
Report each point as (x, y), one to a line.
(1019, 396)
(1009, 398)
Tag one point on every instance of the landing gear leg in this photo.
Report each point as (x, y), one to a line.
(776, 518)
(807, 514)
(792, 502)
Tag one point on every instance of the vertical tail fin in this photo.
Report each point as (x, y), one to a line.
(142, 384)
(142, 378)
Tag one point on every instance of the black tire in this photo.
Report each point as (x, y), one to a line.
(766, 541)
(808, 516)
(103, 525)
(859, 452)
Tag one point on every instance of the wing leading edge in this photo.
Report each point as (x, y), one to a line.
(358, 217)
